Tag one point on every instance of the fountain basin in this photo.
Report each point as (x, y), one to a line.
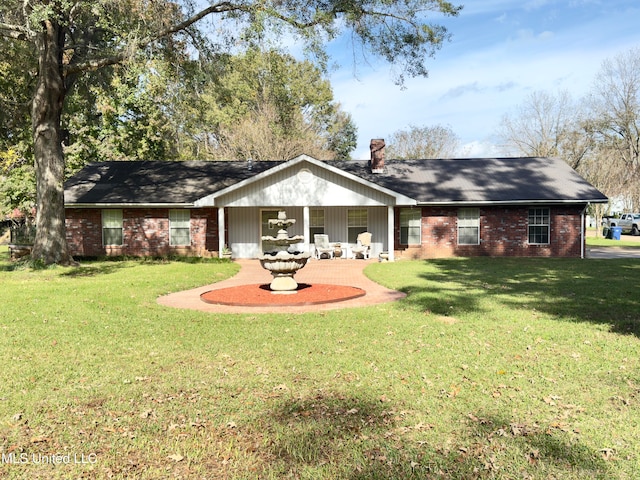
(283, 265)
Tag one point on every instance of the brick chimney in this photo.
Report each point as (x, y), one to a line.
(377, 155)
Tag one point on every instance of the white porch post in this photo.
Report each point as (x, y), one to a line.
(306, 222)
(390, 231)
(221, 237)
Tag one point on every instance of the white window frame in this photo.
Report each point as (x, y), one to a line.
(112, 222)
(410, 226)
(468, 221)
(179, 220)
(539, 219)
(316, 222)
(357, 222)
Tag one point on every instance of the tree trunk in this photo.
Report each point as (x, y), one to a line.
(50, 245)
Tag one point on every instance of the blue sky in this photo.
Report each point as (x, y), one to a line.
(501, 52)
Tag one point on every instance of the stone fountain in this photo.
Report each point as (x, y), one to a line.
(282, 263)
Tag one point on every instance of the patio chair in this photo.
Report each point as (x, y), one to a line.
(323, 248)
(363, 246)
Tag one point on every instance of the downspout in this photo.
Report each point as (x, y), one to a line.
(583, 238)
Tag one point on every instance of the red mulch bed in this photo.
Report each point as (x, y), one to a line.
(260, 295)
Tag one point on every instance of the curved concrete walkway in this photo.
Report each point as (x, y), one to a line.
(336, 272)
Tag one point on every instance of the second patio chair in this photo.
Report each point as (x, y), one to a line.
(363, 246)
(323, 248)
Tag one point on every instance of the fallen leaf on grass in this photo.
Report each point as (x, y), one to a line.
(455, 390)
(551, 399)
(562, 426)
(607, 453)
(176, 457)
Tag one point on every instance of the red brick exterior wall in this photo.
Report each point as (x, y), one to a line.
(84, 232)
(145, 233)
(503, 232)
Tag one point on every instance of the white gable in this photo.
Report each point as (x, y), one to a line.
(304, 182)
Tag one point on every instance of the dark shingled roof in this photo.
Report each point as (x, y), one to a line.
(482, 180)
(431, 181)
(152, 182)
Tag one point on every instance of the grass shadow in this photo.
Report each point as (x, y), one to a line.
(598, 291)
(350, 437)
(94, 266)
(334, 434)
(497, 447)
(92, 270)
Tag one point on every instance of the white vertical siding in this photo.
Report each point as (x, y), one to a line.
(319, 188)
(378, 227)
(244, 229)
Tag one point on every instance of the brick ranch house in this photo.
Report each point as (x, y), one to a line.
(529, 207)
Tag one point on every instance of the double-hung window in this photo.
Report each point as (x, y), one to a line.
(179, 227)
(539, 222)
(469, 226)
(356, 223)
(410, 226)
(111, 227)
(316, 222)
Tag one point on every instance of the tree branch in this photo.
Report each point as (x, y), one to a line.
(97, 63)
(14, 31)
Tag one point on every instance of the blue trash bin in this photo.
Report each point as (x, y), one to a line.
(616, 232)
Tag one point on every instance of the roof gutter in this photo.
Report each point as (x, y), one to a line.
(513, 202)
(129, 205)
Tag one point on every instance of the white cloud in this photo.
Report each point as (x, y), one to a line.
(493, 63)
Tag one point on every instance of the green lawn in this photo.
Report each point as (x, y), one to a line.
(626, 240)
(490, 368)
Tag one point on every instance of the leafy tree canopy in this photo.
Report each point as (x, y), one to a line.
(68, 38)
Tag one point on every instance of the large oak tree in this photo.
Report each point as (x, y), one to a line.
(71, 37)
